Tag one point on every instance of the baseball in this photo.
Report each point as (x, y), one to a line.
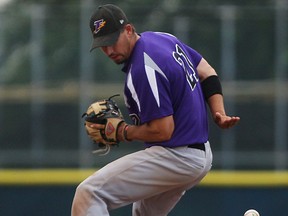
(251, 212)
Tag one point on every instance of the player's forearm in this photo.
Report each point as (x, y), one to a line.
(216, 104)
(157, 130)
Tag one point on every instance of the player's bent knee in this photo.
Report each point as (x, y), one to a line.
(81, 199)
(82, 194)
(86, 191)
(82, 189)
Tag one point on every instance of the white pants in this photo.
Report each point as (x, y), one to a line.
(153, 180)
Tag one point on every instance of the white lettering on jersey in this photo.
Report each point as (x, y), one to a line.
(182, 58)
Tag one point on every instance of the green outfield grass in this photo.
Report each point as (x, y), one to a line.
(75, 176)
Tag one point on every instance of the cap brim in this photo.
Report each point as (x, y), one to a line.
(107, 40)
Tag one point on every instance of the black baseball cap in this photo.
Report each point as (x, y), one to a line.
(106, 24)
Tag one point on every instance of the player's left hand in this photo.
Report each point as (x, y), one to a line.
(224, 121)
(104, 124)
(107, 133)
(102, 121)
(96, 133)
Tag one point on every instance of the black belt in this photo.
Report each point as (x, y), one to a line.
(200, 146)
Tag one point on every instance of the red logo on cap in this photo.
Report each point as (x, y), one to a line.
(98, 25)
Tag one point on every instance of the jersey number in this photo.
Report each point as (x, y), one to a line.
(182, 59)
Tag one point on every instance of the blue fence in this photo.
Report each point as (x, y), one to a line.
(50, 192)
(200, 201)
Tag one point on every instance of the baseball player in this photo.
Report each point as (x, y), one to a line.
(167, 87)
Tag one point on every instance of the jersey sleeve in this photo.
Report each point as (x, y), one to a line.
(196, 57)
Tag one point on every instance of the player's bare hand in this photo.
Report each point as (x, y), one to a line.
(224, 121)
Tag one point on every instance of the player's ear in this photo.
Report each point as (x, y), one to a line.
(129, 29)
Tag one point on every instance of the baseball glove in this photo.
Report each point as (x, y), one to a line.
(104, 112)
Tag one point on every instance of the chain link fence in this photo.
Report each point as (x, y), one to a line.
(48, 78)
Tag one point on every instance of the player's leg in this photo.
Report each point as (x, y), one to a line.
(119, 183)
(155, 205)
(82, 203)
(135, 177)
(163, 203)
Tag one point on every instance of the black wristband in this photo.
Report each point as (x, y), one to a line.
(210, 86)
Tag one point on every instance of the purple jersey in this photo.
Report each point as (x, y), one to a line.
(162, 80)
